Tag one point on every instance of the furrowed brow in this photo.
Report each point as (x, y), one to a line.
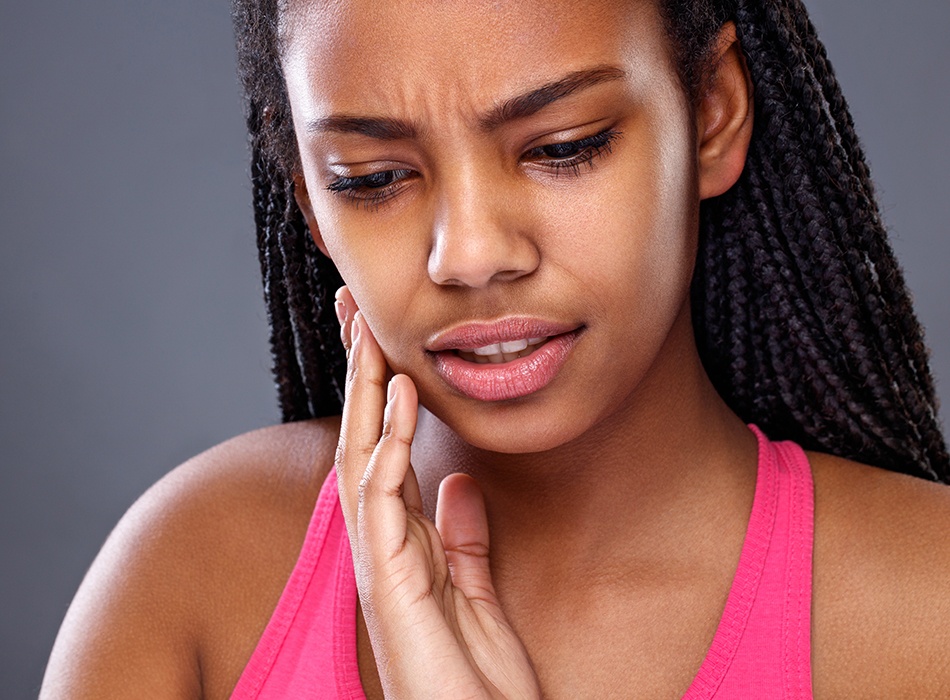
(535, 100)
(382, 128)
(519, 107)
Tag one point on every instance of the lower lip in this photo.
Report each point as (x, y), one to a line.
(507, 380)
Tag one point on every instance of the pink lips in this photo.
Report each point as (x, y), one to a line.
(508, 380)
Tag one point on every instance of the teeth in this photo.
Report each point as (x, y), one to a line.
(513, 346)
(488, 350)
(501, 352)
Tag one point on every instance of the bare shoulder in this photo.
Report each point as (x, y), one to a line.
(176, 599)
(882, 582)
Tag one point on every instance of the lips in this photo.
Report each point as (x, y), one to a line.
(472, 359)
(477, 335)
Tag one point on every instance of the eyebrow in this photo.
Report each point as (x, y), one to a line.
(535, 100)
(519, 107)
(382, 128)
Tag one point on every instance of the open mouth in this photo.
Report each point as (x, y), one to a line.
(498, 353)
(502, 359)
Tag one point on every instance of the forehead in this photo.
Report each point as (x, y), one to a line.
(393, 55)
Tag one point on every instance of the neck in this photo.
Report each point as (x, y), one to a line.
(673, 462)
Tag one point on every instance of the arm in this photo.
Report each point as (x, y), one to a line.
(130, 632)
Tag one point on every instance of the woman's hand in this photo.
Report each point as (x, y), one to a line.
(436, 626)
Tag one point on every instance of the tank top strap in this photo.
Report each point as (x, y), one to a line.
(762, 647)
(310, 641)
(796, 629)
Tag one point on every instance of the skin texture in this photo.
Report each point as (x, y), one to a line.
(616, 498)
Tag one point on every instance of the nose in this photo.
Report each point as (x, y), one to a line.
(480, 234)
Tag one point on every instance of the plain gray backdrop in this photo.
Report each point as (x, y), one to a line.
(132, 331)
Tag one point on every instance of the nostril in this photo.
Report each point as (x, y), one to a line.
(509, 275)
(475, 273)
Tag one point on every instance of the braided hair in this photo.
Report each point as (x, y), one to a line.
(801, 314)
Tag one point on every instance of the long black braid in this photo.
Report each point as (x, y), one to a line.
(800, 310)
(299, 283)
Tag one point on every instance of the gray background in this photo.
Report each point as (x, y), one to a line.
(132, 334)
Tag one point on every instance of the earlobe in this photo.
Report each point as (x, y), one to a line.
(724, 117)
(303, 202)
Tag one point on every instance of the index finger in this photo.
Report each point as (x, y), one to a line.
(362, 422)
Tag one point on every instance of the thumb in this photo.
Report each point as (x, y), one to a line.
(462, 523)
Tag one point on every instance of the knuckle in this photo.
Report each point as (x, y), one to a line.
(477, 550)
(351, 372)
(393, 435)
(351, 458)
(375, 379)
(339, 456)
(349, 451)
(368, 372)
(363, 488)
(370, 487)
(401, 439)
(364, 453)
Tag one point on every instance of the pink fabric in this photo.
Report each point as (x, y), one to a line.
(761, 649)
(308, 649)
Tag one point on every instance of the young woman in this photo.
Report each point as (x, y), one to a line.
(609, 266)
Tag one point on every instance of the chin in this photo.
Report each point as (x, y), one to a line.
(511, 428)
(517, 441)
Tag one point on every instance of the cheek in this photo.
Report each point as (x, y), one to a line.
(381, 275)
(634, 237)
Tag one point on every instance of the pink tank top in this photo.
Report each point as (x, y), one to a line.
(761, 649)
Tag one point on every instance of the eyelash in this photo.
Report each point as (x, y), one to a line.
(587, 150)
(362, 191)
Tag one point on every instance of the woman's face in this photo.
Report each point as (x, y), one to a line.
(483, 172)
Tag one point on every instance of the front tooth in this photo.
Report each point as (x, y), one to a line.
(535, 341)
(488, 350)
(514, 346)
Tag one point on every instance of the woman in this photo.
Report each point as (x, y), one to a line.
(584, 244)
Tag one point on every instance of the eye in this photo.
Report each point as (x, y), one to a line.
(370, 190)
(570, 156)
(562, 150)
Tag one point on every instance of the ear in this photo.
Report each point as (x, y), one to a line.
(303, 201)
(724, 117)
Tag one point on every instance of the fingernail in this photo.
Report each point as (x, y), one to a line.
(340, 309)
(355, 328)
(391, 390)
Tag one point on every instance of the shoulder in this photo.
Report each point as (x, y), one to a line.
(881, 582)
(186, 582)
(245, 481)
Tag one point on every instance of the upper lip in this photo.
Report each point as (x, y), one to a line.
(478, 334)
